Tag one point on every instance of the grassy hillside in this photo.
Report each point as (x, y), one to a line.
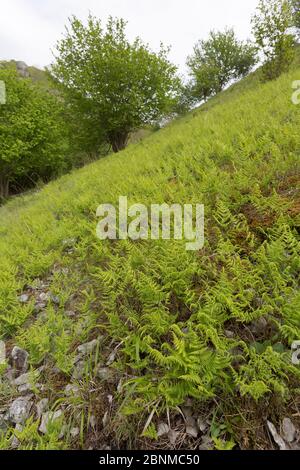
(38, 76)
(180, 336)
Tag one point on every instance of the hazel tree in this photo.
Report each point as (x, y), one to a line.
(113, 85)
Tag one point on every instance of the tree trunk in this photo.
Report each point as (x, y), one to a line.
(4, 187)
(118, 140)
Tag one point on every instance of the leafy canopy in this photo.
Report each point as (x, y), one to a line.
(271, 28)
(217, 61)
(296, 13)
(31, 132)
(115, 85)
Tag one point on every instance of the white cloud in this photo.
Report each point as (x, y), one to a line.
(30, 28)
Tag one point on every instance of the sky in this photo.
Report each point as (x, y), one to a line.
(29, 29)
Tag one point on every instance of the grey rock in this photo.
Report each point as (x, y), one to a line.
(41, 407)
(294, 446)
(75, 432)
(3, 423)
(189, 403)
(15, 441)
(173, 435)
(72, 389)
(92, 421)
(77, 359)
(111, 358)
(25, 388)
(187, 411)
(79, 371)
(110, 399)
(10, 374)
(277, 438)
(206, 444)
(22, 69)
(119, 386)
(191, 427)
(192, 431)
(229, 334)
(106, 374)
(202, 425)
(26, 378)
(49, 417)
(44, 297)
(24, 298)
(55, 299)
(19, 410)
(70, 313)
(20, 359)
(105, 419)
(288, 430)
(39, 307)
(88, 348)
(163, 429)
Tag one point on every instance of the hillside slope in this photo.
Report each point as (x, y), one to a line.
(170, 333)
(38, 76)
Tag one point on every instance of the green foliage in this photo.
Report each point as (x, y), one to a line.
(30, 439)
(113, 86)
(271, 25)
(32, 140)
(296, 13)
(217, 61)
(163, 312)
(264, 373)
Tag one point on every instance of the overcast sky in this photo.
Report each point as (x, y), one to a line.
(29, 29)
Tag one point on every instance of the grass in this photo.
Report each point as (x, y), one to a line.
(212, 329)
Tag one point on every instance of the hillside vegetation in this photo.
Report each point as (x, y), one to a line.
(173, 336)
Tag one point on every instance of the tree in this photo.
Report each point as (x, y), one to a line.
(271, 28)
(32, 139)
(186, 99)
(295, 4)
(219, 60)
(114, 85)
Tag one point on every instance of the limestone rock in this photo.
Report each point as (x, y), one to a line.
(72, 389)
(78, 371)
(20, 359)
(24, 298)
(19, 410)
(163, 429)
(49, 417)
(41, 407)
(26, 378)
(22, 69)
(106, 374)
(75, 432)
(88, 348)
(289, 431)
